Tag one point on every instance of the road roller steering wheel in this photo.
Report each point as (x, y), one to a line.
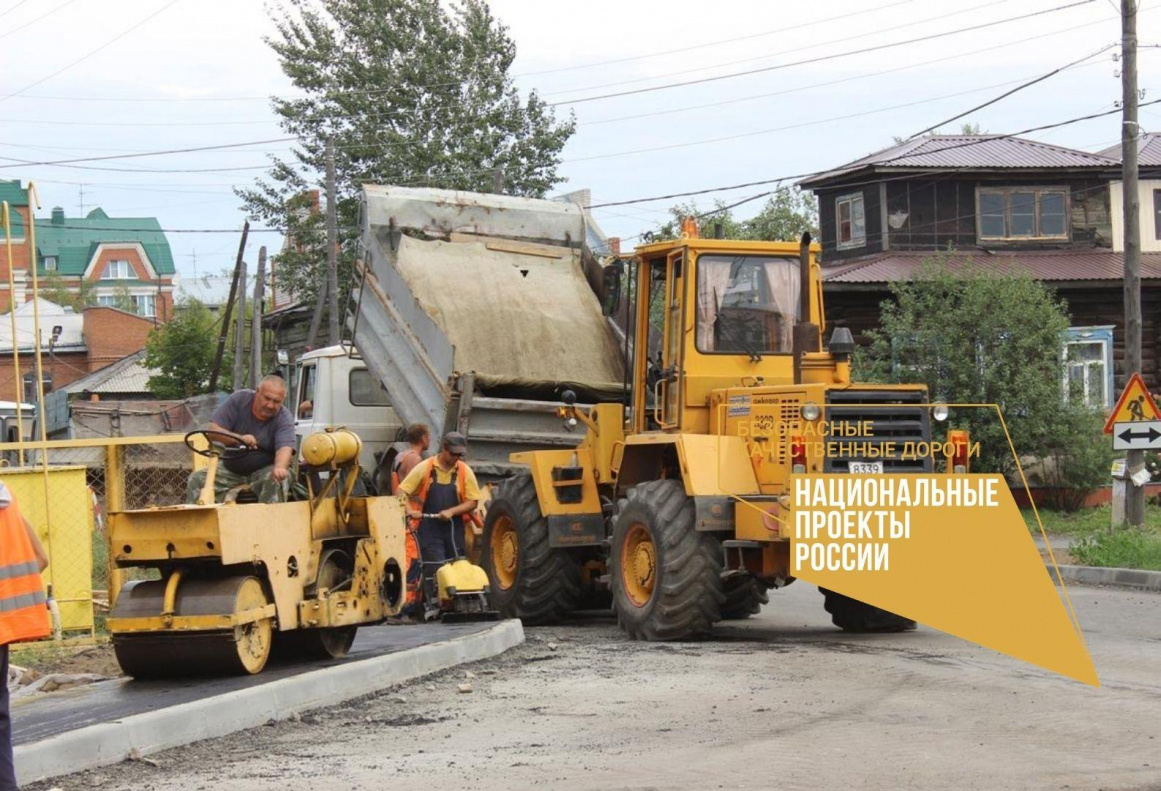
(217, 448)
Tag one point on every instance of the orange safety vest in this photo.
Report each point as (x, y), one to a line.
(23, 614)
(459, 474)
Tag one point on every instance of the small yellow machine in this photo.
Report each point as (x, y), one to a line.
(456, 590)
(677, 501)
(235, 576)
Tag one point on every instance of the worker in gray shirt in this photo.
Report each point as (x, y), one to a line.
(258, 420)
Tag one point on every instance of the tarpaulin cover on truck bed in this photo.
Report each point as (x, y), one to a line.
(511, 317)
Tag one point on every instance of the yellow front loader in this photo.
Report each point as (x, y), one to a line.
(233, 579)
(676, 502)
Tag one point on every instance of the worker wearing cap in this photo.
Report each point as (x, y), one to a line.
(443, 485)
(23, 614)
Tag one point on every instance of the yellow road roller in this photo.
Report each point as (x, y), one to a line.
(239, 579)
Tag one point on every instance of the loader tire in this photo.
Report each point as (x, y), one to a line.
(666, 575)
(529, 579)
(744, 597)
(852, 615)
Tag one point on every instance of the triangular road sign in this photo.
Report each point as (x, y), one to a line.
(1134, 404)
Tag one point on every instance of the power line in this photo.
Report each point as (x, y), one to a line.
(732, 40)
(18, 28)
(820, 58)
(139, 154)
(91, 53)
(798, 176)
(768, 55)
(1018, 88)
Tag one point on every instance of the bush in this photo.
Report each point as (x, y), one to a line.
(1078, 464)
(978, 337)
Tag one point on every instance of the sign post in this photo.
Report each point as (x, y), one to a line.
(1135, 425)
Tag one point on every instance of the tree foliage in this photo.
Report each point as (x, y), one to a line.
(414, 93)
(975, 337)
(182, 351)
(783, 218)
(54, 288)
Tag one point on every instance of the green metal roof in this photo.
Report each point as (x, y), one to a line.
(74, 240)
(12, 192)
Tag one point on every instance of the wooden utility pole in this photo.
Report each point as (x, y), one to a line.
(316, 317)
(224, 330)
(256, 322)
(498, 181)
(1130, 132)
(240, 332)
(332, 247)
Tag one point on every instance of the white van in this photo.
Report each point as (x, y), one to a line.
(334, 389)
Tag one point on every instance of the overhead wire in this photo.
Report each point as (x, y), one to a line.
(31, 22)
(820, 58)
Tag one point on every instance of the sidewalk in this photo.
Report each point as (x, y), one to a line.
(87, 727)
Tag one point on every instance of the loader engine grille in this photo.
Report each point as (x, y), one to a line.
(894, 417)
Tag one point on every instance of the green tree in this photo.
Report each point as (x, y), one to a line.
(122, 299)
(54, 288)
(975, 337)
(182, 352)
(413, 92)
(783, 218)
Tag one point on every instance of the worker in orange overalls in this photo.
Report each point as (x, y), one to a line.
(419, 439)
(23, 610)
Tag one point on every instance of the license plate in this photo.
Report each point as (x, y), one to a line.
(865, 467)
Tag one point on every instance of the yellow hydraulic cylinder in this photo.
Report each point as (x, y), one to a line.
(331, 448)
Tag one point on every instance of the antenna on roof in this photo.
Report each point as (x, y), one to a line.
(81, 198)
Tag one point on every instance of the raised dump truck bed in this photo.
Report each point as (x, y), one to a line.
(476, 311)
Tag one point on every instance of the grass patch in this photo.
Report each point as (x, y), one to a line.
(1077, 523)
(1129, 548)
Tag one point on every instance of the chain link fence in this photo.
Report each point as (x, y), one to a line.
(67, 488)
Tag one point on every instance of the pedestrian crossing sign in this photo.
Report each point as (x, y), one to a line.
(1135, 404)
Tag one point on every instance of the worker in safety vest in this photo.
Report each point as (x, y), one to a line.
(446, 486)
(419, 439)
(23, 610)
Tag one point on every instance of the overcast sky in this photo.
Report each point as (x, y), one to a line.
(96, 77)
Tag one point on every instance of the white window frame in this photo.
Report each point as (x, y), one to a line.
(50, 263)
(1102, 335)
(118, 269)
(138, 299)
(1036, 236)
(853, 200)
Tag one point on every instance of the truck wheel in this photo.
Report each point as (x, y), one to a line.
(529, 579)
(744, 597)
(666, 576)
(852, 615)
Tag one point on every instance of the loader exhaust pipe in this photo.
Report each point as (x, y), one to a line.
(805, 333)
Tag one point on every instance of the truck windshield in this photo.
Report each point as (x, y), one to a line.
(746, 304)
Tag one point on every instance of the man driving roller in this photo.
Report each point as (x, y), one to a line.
(255, 419)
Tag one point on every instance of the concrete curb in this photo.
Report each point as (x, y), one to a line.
(110, 743)
(1112, 577)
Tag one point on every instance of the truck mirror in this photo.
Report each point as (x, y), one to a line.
(611, 279)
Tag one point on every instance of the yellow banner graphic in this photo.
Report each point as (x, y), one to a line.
(949, 551)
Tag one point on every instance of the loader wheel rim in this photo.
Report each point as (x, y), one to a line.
(505, 545)
(253, 640)
(639, 566)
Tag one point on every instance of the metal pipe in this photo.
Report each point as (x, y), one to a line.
(169, 602)
(804, 278)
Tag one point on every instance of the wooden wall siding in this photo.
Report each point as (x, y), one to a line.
(1102, 305)
(935, 213)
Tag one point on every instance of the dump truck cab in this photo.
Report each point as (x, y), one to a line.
(730, 393)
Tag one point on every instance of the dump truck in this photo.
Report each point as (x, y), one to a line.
(472, 313)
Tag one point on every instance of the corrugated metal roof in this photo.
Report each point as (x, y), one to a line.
(73, 239)
(970, 151)
(1048, 265)
(1148, 150)
(126, 376)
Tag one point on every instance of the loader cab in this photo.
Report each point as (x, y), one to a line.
(711, 314)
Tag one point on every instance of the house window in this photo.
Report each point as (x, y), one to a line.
(50, 263)
(106, 301)
(117, 270)
(30, 386)
(850, 221)
(1157, 214)
(1088, 366)
(145, 305)
(1014, 213)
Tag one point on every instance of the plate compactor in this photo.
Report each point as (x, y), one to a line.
(455, 590)
(237, 578)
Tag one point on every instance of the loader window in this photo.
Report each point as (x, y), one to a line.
(746, 304)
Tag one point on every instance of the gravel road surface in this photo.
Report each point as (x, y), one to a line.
(780, 701)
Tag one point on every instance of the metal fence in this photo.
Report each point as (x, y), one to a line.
(66, 489)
